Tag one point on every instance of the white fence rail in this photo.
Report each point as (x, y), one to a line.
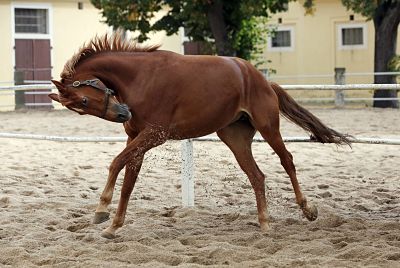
(339, 89)
(27, 87)
(365, 140)
(287, 87)
(331, 75)
(343, 87)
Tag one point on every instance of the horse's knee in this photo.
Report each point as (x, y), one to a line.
(116, 166)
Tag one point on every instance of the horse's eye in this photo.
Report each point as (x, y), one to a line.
(84, 101)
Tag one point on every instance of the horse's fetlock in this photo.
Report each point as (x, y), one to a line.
(105, 200)
(118, 223)
(303, 203)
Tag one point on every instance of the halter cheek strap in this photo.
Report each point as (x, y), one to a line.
(94, 83)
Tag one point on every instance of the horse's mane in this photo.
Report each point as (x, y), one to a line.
(113, 42)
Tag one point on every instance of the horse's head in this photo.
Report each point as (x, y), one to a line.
(91, 97)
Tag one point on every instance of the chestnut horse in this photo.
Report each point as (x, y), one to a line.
(160, 95)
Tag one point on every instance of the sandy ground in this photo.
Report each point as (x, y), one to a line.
(49, 190)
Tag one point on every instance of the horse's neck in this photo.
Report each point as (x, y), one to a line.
(119, 70)
(114, 70)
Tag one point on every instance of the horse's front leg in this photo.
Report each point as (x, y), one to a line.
(131, 172)
(102, 214)
(132, 156)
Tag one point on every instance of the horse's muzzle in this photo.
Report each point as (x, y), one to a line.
(122, 113)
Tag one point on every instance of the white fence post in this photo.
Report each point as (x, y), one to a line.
(339, 80)
(187, 173)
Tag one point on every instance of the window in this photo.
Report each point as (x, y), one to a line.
(31, 21)
(281, 39)
(352, 36)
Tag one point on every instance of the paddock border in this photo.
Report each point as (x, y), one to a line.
(362, 140)
(287, 87)
(339, 89)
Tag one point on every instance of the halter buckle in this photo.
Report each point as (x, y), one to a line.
(109, 91)
(76, 83)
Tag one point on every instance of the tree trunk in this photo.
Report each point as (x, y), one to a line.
(215, 15)
(386, 21)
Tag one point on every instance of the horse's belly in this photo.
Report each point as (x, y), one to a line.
(181, 132)
(202, 126)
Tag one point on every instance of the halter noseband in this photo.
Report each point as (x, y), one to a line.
(94, 83)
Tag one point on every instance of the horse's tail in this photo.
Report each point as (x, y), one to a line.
(306, 120)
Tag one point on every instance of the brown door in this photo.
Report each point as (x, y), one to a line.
(196, 48)
(32, 58)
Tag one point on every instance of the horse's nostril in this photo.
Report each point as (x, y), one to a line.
(124, 116)
(122, 113)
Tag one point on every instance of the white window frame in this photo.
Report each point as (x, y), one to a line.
(32, 6)
(183, 38)
(289, 28)
(348, 26)
(48, 36)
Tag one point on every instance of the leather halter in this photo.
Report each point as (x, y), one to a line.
(94, 83)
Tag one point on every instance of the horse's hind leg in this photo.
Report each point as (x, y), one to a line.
(238, 137)
(269, 129)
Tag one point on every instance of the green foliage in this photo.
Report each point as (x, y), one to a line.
(129, 15)
(394, 66)
(244, 19)
(250, 39)
(366, 8)
(309, 6)
(188, 14)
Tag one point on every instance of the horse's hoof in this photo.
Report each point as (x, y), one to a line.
(100, 217)
(311, 213)
(107, 235)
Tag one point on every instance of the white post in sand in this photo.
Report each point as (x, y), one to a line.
(187, 173)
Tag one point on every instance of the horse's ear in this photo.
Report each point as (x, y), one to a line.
(54, 97)
(59, 85)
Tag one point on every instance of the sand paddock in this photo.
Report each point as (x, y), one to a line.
(49, 190)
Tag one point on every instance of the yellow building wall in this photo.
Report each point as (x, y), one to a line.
(316, 49)
(6, 66)
(70, 28)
